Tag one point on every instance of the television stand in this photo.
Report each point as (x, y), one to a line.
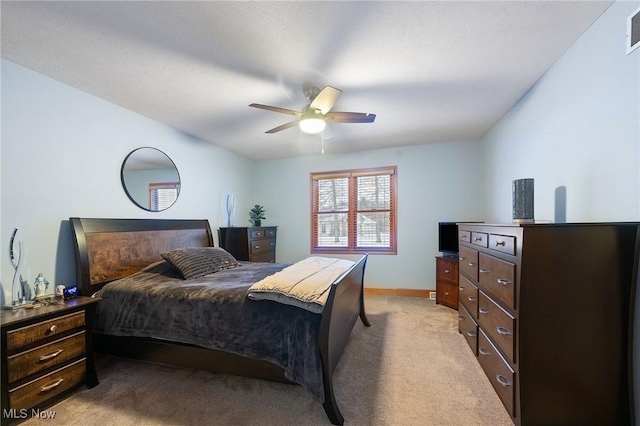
(447, 281)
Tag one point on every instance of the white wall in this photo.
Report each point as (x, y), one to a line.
(62, 150)
(439, 182)
(578, 127)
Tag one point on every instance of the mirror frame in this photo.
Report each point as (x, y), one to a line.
(128, 192)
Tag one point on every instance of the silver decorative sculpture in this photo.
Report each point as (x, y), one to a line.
(20, 290)
(231, 207)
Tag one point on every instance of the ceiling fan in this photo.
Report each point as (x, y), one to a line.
(314, 116)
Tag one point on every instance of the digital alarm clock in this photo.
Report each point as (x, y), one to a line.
(70, 292)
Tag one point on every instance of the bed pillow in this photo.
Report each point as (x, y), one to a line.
(196, 262)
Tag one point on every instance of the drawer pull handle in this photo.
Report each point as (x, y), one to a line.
(503, 380)
(463, 237)
(500, 243)
(471, 264)
(257, 247)
(460, 318)
(461, 288)
(446, 271)
(471, 299)
(503, 282)
(51, 355)
(484, 271)
(461, 257)
(51, 386)
(471, 333)
(446, 293)
(483, 311)
(52, 329)
(503, 331)
(272, 244)
(477, 239)
(483, 351)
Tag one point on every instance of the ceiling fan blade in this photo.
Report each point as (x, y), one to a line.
(277, 109)
(326, 99)
(283, 127)
(350, 117)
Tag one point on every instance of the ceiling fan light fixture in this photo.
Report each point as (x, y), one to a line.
(312, 125)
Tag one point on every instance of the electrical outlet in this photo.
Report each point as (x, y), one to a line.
(432, 295)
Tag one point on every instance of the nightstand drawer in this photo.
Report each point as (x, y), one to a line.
(257, 234)
(269, 256)
(33, 333)
(447, 270)
(46, 356)
(33, 393)
(260, 246)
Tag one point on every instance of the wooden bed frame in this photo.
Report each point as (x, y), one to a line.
(109, 249)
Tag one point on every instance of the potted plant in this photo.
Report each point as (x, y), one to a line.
(256, 214)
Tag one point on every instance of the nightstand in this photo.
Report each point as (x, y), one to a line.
(254, 244)
(447, 281)
(46, 353)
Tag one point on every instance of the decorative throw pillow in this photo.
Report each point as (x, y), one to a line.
(196, 262)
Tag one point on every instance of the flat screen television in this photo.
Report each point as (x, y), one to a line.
(448, 238)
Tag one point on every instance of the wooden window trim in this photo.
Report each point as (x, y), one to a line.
(352, 211)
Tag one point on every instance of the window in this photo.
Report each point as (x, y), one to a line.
(162, 195)
(354, 211)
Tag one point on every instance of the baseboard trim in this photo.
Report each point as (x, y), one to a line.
(406, 292)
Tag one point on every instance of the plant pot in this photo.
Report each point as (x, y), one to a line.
(257, 223)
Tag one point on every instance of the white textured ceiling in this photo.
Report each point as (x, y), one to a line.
(431, 71)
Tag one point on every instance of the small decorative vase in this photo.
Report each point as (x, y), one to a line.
(523, 201)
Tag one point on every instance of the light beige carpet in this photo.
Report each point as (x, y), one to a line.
(412, 367)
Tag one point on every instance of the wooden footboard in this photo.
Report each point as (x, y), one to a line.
(344, 304)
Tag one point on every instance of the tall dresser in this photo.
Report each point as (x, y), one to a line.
(254, 244)
(548, 311)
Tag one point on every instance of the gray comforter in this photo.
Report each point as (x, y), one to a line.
(214, 312)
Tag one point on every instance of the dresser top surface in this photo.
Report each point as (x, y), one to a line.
(9, 317)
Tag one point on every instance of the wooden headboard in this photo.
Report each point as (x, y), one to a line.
(109, 249)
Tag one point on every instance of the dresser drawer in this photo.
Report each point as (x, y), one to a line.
(263, 245)
(469, 262)
(269, 233)
(503, 243)
(464, 236)
(500, 374)
(30, 362)
(498, 278)
(498, 324)
(33, 393)
(30, 334)
(480, 239)
(469, 328)
(468, 294)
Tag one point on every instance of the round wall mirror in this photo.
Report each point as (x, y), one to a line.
(150, 179)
